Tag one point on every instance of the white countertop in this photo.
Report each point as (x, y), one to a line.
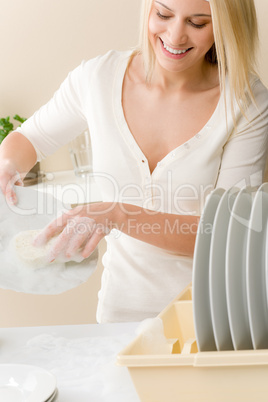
(82, 357)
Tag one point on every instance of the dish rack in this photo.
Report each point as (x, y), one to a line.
(187, 375)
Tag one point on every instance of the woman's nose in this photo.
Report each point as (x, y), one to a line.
(178, 33)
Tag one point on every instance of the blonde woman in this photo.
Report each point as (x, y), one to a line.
(182, 114)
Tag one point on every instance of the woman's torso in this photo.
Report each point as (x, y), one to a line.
(163, 118)
(172, 173)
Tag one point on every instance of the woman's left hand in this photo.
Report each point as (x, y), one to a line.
(79, 229)
(82, 228)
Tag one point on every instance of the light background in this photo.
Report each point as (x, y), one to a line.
(40, 42)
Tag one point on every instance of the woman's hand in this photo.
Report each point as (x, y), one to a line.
(79, 230)
(9, 176)
(82, 228)
(17, 157)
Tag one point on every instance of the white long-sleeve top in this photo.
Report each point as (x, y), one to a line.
(139, 279)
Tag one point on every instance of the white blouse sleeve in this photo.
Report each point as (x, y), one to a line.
(244, 155)
(63, 117)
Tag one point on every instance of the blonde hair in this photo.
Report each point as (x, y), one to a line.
(236, 41)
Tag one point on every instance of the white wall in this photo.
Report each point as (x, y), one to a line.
(262, 11)
(42, 40)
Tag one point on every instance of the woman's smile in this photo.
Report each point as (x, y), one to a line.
(172, 52)
(180, 33)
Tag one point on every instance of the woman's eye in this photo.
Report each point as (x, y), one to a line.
(198, 26)
(163, 17)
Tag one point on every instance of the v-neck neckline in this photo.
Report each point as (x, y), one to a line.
(126, 132)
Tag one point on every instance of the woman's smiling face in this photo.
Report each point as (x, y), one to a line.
(180, 32)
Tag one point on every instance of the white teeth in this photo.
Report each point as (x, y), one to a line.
(173, 51)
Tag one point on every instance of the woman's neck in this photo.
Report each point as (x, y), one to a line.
(200, 77)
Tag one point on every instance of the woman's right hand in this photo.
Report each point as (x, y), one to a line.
(17, 155)
(9, 176)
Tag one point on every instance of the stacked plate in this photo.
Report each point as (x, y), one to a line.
(230, 270)
(19, 382)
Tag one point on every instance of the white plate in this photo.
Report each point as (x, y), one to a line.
(53, 397)
(266, 263)
(256, 278)
(201, 303)
(19, 382)
(34, 211)
(236, 292)
(217, 284)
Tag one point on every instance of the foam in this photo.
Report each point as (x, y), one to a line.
(33, 212)
(34, 257)
(152, 337)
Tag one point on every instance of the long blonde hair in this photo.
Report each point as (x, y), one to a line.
(236, 42)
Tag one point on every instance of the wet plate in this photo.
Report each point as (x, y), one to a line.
(201, 300)
(19, 382)
(236, 251)
(35, 210)
(217, 263)
(256, 276)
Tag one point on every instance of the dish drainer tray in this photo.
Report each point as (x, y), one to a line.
(187, 375)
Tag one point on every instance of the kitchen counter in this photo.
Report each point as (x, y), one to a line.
(82, 357)
(69, 188)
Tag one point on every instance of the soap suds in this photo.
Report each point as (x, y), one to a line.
(34, 257)
(30, 214)
(152, 338)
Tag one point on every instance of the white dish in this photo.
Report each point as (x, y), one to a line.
(217, 284)
(53, 397)
(266, 263)
(256, 278)
(19, 382)
(201, 303)
(34, 211)
(236, 292)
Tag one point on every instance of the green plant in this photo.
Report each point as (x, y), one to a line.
(6, 126)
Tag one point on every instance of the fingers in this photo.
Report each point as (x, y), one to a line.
(75, 243)
(59, 246)
(94, 240)
(52, 229)
(7, 185)
(10, 195)
(57, 226)
(76, 235)
(72, 239)
(47, 233)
